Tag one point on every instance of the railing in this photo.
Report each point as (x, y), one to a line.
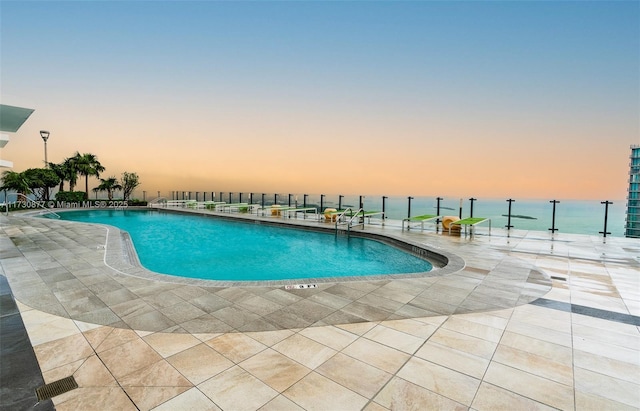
(157, 200)
(359, 215)
(349, 223)
(572, 216)
(27, 199)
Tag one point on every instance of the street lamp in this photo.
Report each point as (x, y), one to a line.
(45, 136)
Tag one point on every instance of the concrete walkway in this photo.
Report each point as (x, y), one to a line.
(528, 320)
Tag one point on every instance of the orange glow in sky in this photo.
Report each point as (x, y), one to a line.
(491, 99)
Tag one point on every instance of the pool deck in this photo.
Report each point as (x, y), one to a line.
(529, 320)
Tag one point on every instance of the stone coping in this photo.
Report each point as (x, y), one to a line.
(86, 272)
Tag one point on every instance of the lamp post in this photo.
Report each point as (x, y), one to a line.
(45, 136)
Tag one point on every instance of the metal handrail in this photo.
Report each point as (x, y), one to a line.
(356, 215)
(37, 204)
(339, 217)
(157, 200)
(349, 223)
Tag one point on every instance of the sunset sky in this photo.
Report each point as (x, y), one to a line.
(523, 99)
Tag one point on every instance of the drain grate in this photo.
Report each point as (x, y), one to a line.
(56, 388)
(553, 277)
(129, 251)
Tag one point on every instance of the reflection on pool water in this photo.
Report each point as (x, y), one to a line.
(216, 249)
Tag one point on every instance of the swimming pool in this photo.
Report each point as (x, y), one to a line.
(217, 249)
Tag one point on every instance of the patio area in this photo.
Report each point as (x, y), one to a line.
(530, 320)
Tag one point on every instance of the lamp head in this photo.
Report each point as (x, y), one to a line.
(44, 134)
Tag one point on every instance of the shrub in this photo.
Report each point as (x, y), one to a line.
(70, 196)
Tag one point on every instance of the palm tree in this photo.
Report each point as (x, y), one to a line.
(66, 171)
(108, 185)
(60, 172)
(12, 180)
(70, 169)
(87, 165)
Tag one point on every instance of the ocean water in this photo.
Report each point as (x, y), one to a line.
(572, 216)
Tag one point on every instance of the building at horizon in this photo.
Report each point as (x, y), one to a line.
(633, 197)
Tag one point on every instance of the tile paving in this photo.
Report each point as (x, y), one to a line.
(526, 320)
(17, 388)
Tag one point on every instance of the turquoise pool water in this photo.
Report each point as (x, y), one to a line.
(215, 249)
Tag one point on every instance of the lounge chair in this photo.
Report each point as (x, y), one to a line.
(295, 210)
(212, 205)
(276, 210)
(420, 219)
(245, 207)
(470, 222)
(334, 215)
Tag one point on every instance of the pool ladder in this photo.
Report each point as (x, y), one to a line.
(355, 219)
(45, 209)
